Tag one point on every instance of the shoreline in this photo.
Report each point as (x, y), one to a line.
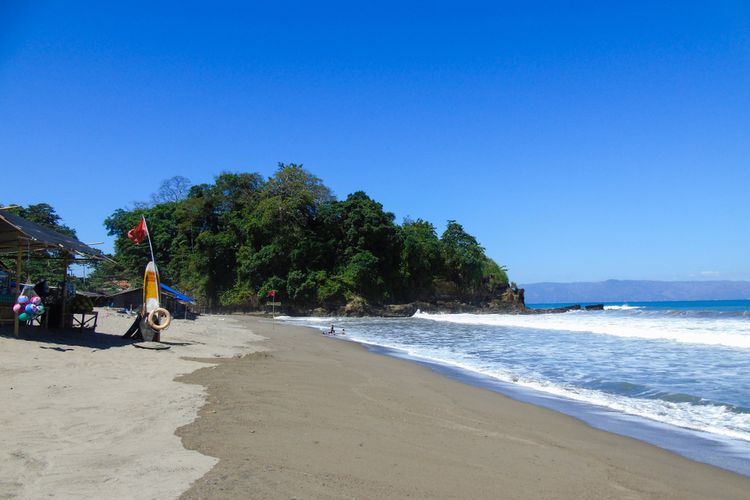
(714, 450)
(320, 418)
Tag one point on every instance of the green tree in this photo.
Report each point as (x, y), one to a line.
(370, 248)
(462, 256)
(231, 241)
(421, 260)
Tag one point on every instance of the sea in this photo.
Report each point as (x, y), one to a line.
(674, 374)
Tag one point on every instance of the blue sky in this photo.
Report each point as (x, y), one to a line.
(576, 143)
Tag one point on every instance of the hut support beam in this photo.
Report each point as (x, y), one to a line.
(64, 303)
(19, 259)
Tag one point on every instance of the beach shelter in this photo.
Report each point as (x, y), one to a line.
(18, 235)
(179, 296)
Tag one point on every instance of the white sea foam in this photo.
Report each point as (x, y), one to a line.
(541, 362)
(623, 307)
(715, 419)
(309, 319)
(728, 332)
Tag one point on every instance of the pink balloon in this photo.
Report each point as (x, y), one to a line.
(17, 308)
(36, 299)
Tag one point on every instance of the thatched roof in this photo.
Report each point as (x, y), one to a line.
(34, 237)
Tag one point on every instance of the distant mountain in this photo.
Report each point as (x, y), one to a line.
(635, 291)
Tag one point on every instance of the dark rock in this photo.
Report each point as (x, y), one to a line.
(595, 307)
(399, 310)
(357, 307)
(555, 310)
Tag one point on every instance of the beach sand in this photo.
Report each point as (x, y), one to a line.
(87, 415)
(300, 415)
(316, 417)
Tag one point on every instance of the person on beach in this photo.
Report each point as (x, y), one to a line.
(333, 331)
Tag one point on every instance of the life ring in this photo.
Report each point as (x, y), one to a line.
(164, 317)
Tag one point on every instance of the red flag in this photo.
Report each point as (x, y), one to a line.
(272, 294)
(139, 232)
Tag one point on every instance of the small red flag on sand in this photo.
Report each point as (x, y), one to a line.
(139, 232)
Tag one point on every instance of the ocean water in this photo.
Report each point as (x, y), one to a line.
(673, 373)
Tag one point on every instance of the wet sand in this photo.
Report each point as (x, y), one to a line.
(315, 417)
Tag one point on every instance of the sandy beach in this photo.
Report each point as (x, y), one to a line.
(284, 412)
(316, 417)
(87, 415)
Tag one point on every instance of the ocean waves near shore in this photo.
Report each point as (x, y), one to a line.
(729, 329)
(682, 365)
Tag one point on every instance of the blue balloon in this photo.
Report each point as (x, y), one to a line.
(30, 308)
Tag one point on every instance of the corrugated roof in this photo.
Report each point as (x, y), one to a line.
(35, 237)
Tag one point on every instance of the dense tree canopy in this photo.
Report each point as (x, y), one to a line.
(233, 241)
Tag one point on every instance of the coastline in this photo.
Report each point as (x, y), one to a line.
(321, 418)
(695, 445)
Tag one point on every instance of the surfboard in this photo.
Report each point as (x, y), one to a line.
(151, 345)
(151, 286)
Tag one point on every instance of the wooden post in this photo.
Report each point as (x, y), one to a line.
(19, 259)
(63, 305)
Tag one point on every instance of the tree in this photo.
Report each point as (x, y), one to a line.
(370, 247)
(173, 189)
(462, 256)
(230, 241)
(421, 260)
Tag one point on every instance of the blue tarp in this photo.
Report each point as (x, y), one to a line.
(177, 294)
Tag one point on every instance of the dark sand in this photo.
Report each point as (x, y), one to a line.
(321, 418)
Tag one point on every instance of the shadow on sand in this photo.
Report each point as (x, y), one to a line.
(67, 339)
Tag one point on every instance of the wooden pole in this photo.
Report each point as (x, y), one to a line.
(63, 305)
(19, 259)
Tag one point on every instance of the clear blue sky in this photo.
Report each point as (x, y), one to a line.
(576, 143)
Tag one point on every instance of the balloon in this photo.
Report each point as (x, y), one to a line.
(40, 309)
(29, 308)
(16, 308)
(23, 317)
(36, 299)
(22, 299)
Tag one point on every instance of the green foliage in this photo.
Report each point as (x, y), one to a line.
(272, 283)
(331, 291)
(462, 255)
(240, 295)
(495, 276)
(421, 260)
(231, 242)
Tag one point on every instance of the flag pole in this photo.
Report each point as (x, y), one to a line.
(148, 235)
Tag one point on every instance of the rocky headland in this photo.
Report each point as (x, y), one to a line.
(503, 300)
